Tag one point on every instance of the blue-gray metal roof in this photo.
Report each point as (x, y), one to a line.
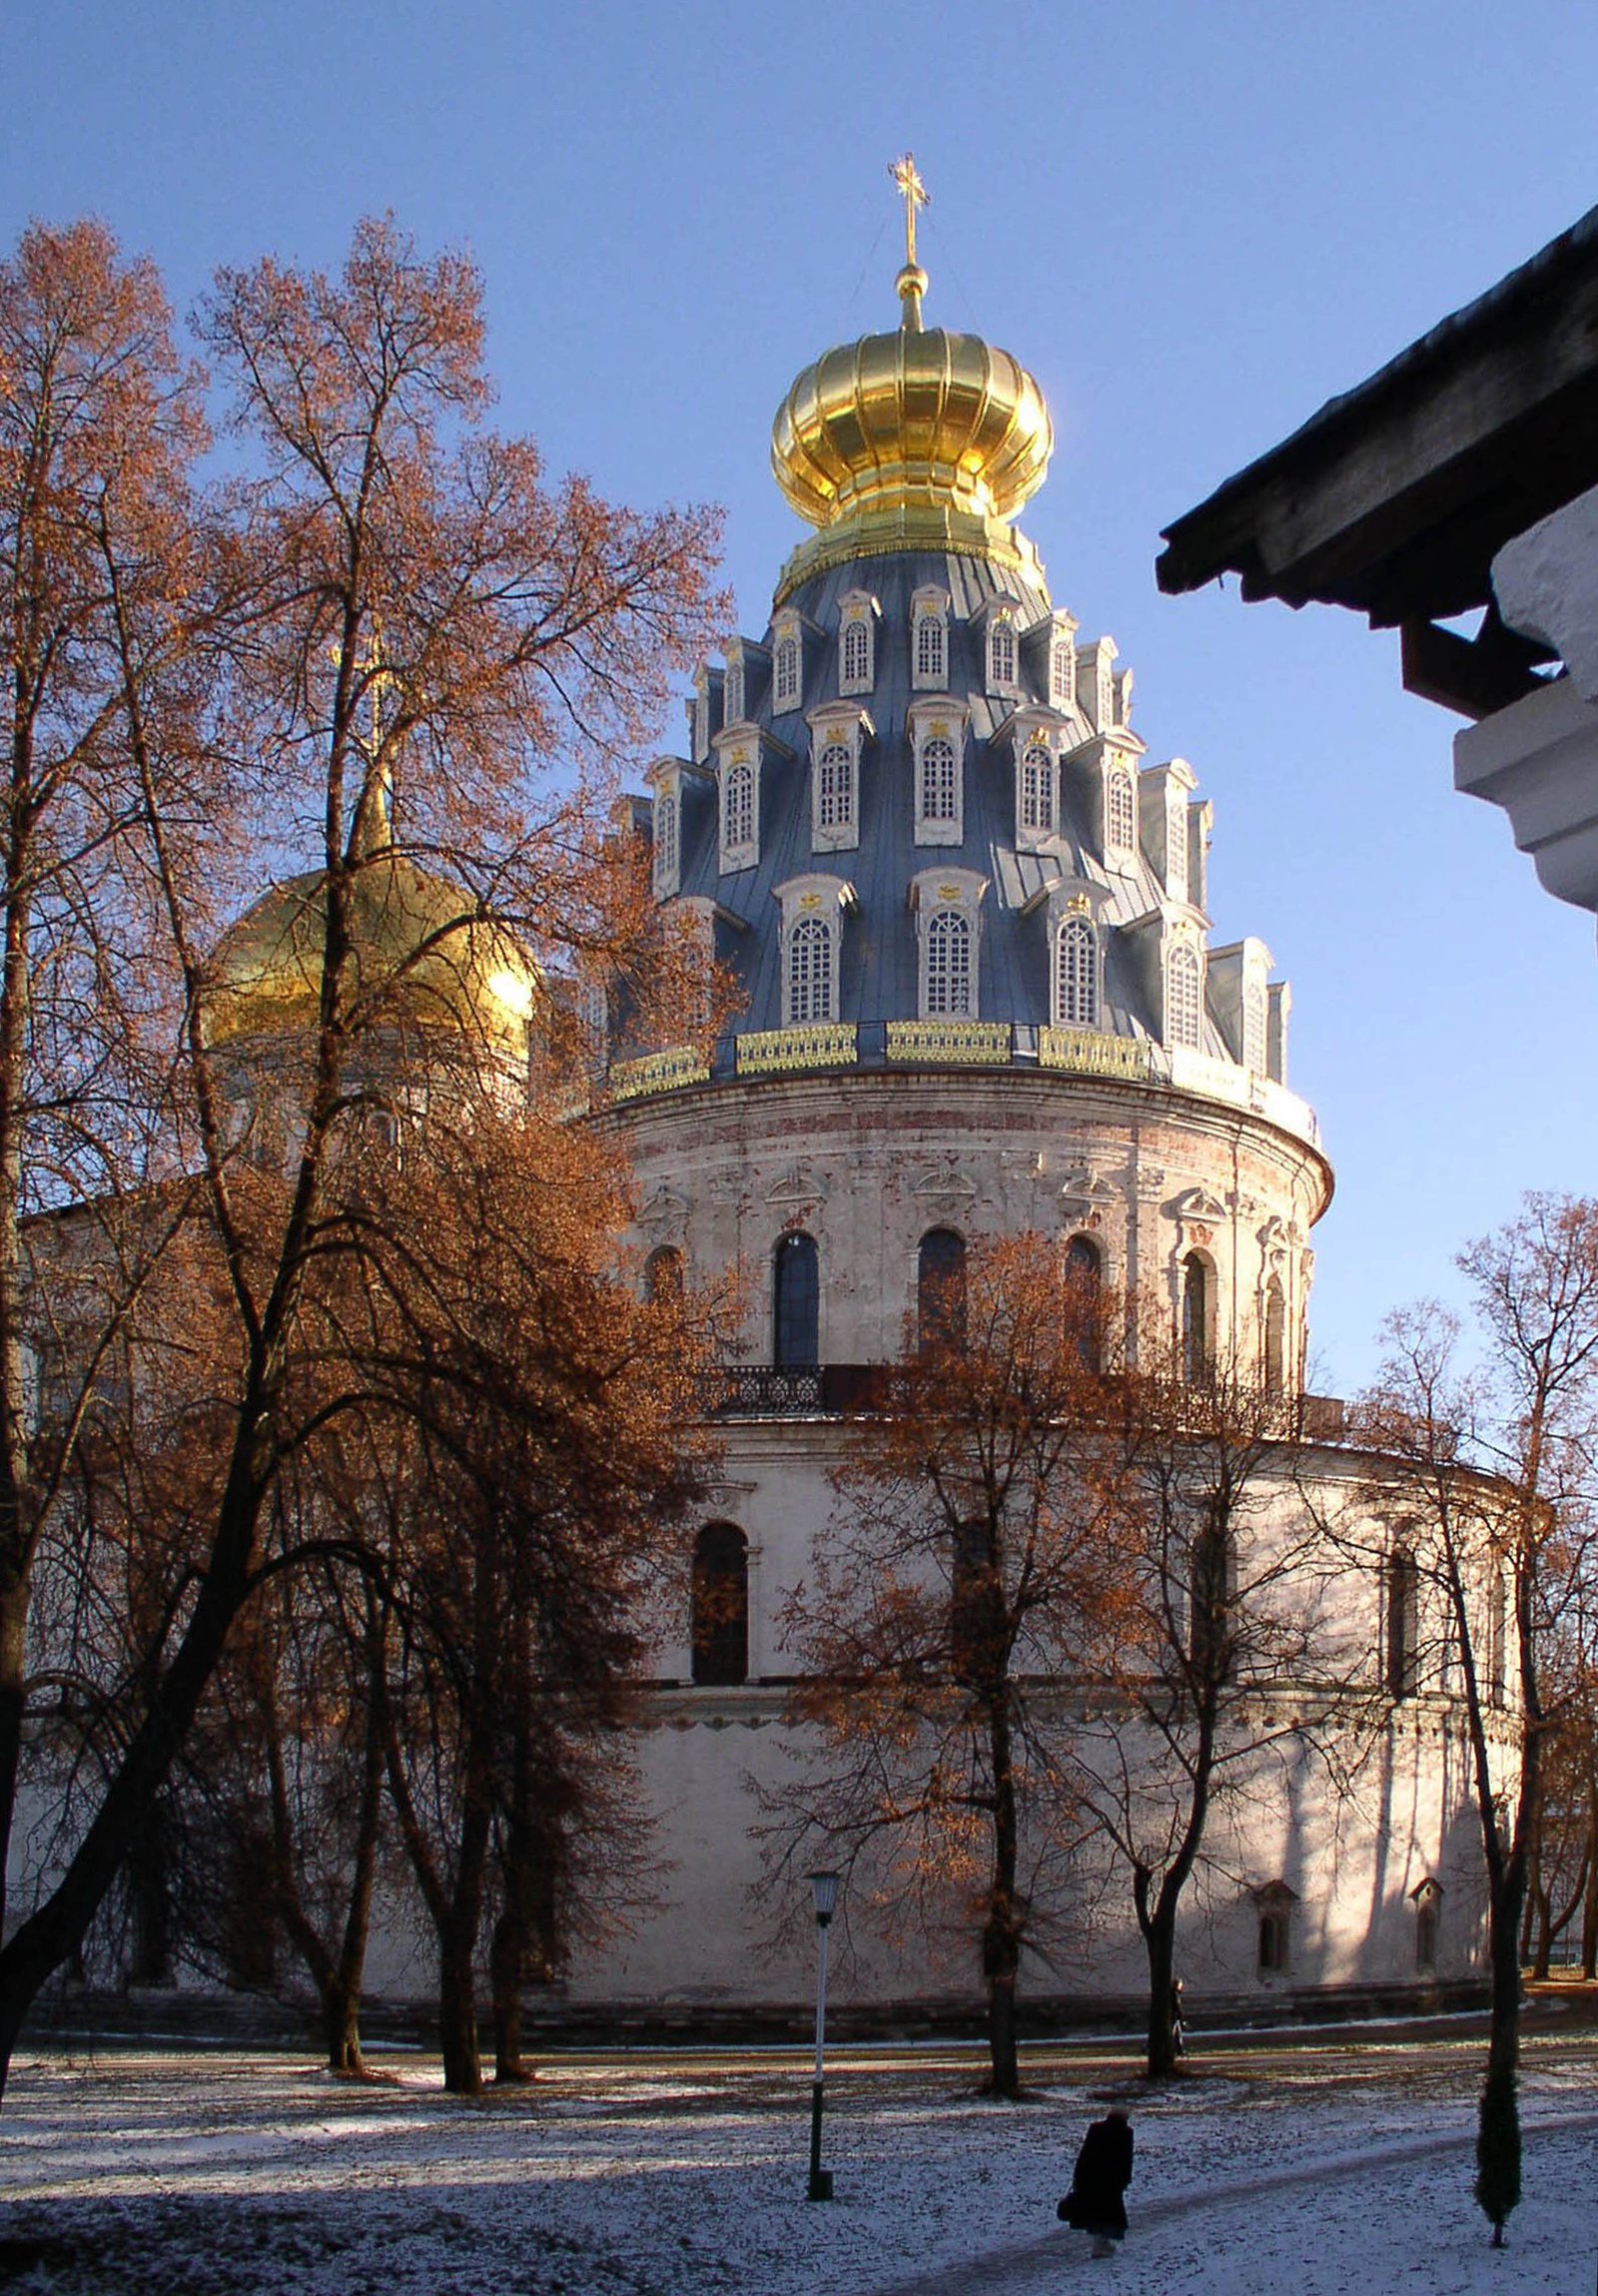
(878, 979)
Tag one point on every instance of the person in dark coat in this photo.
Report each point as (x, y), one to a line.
(1095, 2202)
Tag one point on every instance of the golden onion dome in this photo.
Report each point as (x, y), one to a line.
(419, 956)
(919, 439)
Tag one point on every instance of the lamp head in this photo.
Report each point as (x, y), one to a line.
(825, 1887)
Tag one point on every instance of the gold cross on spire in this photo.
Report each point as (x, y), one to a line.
(914, 194)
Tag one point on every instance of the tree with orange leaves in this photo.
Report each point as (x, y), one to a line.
(970, 1565)
(385, 641)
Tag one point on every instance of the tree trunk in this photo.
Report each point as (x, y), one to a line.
(507, 1963)
(1160, 1943)
(1001, 1943)
(457, 2011)
(341, 2027)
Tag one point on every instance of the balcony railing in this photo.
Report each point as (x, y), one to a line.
(848, 1390)
(992, 1045)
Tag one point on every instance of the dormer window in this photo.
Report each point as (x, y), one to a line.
(937, 745)
(666, 840)
(1176, 848)
(929, 640)
(738, 776)
(1183, 997)
(1077, 973)
(947, 903)
(1121, 809)
(812, 922)
(732, 692)
(836, 733)
(1062, 669)
(1001, 652)
(1253, 1027)
(857, 643)
(1035, 791)
(785, 668)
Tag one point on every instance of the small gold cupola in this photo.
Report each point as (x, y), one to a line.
(916, 441)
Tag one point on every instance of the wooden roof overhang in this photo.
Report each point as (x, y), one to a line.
(1396, 497)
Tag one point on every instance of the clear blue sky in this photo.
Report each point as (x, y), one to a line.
(1194, 223)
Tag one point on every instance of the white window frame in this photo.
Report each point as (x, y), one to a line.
(812, 908)
(1003, 652)
(735, 689)
(929, 615)
(835, 726)
(787, 646)
(667, 823)
(1184, 1013)
(941, 720)
(1031, 833)
(1120, 775)
(1177, 846)
(1078, 997)
(733, 756)
(857, 614)
(1061, 668)
(937, 896)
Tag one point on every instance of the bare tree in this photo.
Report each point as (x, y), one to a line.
(392, 603)
(1219, 1667)
(968, 1565)
(1489, 1506)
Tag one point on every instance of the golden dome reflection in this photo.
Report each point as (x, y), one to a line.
(918, 439)
(420, 956)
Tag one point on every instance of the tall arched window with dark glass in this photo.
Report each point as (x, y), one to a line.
(795, 1302)
(941, 1290)
(720, 1628)
(1276, 1350)
(662, 1273)
(1195, 1356)
(1084, 1288)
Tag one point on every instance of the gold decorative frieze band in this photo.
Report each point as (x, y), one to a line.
(1091, 1054)
(976, 1044)
(821, 1045)
(666, 1072)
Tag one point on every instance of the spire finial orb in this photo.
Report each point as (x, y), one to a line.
(911, 280)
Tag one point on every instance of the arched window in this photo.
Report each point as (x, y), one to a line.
(931, 652)
(1077, 968)
(1210, 1593)
(1176, 849)
(1002, 654)
(948, 964)
(1195, 1356)
(835, 786)
(666, 840)
(941, 1290)
(795, 1302)
(1037, 788)
(1274, 1932)
(738, 806)
(1062, 672)
(1403, 1621)
(1276, 1350)
(1084, 1288)
(1498, 1637)
(1120, 811)
(785, 673)
(732, 694)
(720, 1605)
(940, 799)
(1182, 996)
(976, 1605)
(1253, 1027)
(809, 971)
(662, 1273)
(855, 670)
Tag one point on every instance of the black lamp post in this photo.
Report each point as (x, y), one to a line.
(825, 1887)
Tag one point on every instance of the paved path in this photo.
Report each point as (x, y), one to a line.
(1036, 2264)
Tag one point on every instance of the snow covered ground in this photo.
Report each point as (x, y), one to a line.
(1321, 2169)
